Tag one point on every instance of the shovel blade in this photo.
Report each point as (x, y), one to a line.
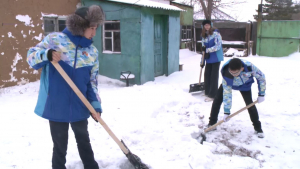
(203, 138)
(134, 159)
(196, 87)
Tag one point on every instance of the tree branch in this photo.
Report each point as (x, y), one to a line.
(207, 16)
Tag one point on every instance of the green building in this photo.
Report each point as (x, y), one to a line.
(139, 36)
(186, 24)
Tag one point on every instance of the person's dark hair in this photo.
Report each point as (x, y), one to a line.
(235, 64)
(206, 22)
(210, 31)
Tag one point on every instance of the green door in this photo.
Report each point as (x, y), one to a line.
(158, 40)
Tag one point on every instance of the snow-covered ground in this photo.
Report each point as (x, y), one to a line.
(160, 120)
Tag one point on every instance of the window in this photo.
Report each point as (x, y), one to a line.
(54, 24)
(186, 33)
(111, 37)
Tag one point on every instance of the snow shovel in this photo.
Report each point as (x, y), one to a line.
(196, 87)
(134, 159)
(220, 122)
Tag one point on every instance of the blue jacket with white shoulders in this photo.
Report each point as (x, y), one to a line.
(213, 44)
(243, 82)
(79, 59)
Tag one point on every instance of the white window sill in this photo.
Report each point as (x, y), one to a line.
(110, 52)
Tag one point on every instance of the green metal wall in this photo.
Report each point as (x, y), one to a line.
(187, 16)
(112, 64)
(147, 48)
(170, 51)
(147, 43)
(278, 38)
(137, 41)
(174, 40)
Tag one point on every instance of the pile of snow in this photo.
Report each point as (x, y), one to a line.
(233, 42)
(231, 52)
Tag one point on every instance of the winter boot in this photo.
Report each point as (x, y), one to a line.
(260, 134)
(208, 126)
(208, 99)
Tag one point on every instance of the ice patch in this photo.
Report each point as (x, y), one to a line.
(14, 68)
(24, 71)
(35, 72)
(10, 35)
(39, 38)
(26, 19)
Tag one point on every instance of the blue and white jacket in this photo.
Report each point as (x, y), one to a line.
(243, 82)
(79, 59)
(213, 44)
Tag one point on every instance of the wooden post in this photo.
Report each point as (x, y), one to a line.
(248, 33)
(259, 27)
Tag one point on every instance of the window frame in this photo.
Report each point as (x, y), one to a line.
(112, 38)
(187, 34)
(56, 20)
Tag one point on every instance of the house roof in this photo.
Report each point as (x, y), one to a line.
(148, 3)
(179, 2)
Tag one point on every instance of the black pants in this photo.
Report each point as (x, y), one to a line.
(59, 133)
(247, 95)
(211, 78)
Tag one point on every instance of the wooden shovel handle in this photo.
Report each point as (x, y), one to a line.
(220, 122)
(88, 105)
(201, 67)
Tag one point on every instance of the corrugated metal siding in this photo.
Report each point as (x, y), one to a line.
(278, 38)
(147, 3)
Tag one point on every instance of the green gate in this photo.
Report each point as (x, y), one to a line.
(278, 38)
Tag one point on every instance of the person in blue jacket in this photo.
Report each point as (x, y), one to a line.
(239, 75)
(73, 50)
(212, 46)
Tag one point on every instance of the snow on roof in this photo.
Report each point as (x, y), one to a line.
(180, 2)
(148, 3)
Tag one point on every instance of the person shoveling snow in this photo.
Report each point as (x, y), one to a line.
(238, 75)
(72, 54)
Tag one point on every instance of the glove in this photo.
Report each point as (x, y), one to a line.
(204, 49)
(49, 54)
(202, 64)
(207, 55)
(260, 99)
(95, 118)
(225, 118)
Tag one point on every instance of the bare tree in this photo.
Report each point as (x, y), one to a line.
(212, 7)
(207, 9)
